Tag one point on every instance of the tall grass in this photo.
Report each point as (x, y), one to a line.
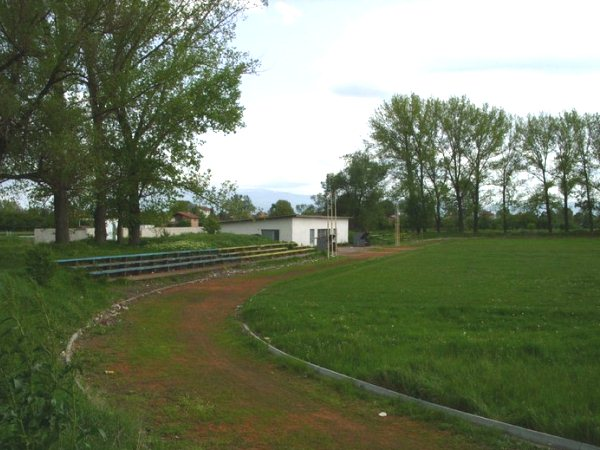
(506, 328)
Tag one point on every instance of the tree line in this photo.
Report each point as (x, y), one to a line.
(103, 101)
(450, 162)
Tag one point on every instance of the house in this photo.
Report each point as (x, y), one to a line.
(204, 210)
(181, 216)
(303, 230)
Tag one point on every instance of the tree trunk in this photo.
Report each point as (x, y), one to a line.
(438, 215)
(61, 215)
(461, 219)
(504, 211)
(476, 208)
(548, 209)
(588, 196)
(566, 211)
(120, 238)
(100, 222)
(133, 221)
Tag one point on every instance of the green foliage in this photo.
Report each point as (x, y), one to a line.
(40, 264)
(40, 405)
(237, 207)
(491, 326)
(281, 208)
(211, 224)
(360, 190)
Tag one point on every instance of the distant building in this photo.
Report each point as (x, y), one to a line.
(303, 230)
(204, 210)
(181, 216)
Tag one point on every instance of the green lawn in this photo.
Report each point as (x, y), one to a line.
(506, 328)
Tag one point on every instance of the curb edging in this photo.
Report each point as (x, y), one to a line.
(535, 437)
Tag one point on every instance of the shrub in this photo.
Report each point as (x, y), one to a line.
(211, 224)
(40, 264)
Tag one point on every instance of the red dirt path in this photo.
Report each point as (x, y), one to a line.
(241, 400)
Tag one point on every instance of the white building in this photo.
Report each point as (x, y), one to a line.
(303, 230)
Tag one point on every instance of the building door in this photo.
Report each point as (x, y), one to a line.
(312, 237)
(271, 234)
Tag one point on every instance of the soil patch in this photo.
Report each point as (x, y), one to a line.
(181, 361)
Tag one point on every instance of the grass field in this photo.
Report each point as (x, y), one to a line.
(506, 328)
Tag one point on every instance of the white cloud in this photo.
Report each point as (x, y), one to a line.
(470, 47)
(289, 14)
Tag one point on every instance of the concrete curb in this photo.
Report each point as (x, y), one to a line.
(535, 437)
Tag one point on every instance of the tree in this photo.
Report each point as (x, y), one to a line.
(506, 166)
(490, 128)
(458, 123)
(281, 208)
(359, 190)
(405, 131)
(179, 80)
(570, 141)
(587, 165)
(538, 146)
(40, 120)
(306, 210)
(237, 207)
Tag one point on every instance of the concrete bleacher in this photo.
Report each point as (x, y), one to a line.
(164, 262)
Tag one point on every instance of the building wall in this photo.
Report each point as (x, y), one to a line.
(302, 227)
(47, 235)
(284, 225)
(294, 229)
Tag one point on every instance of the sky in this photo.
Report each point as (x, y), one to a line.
(327, 65)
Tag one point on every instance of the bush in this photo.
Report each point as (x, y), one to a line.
(40, 264)
(211, 224)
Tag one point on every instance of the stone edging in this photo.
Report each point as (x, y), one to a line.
(533, 436)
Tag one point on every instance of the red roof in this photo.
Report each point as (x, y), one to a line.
(186, 214)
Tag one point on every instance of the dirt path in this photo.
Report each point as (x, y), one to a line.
(180, 361)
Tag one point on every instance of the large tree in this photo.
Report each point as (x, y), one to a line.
(405, 131)
(587, 166)
(490, 128)
(507, 165)
(570, 142)
(539, 143)
(458, 123)
(171, 77)
(41, 126)
(281, 208)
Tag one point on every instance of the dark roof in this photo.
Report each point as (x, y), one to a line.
(186, 214)
(291, 216)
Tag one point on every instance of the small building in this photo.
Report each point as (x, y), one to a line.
(182, 216)
(205, 211)
(303, 230)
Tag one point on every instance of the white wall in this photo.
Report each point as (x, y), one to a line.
(46, 235)
(296, 229)
(284, 225)
(303, 225)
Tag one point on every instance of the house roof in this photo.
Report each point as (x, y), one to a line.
(291, 216)
(186, 214)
